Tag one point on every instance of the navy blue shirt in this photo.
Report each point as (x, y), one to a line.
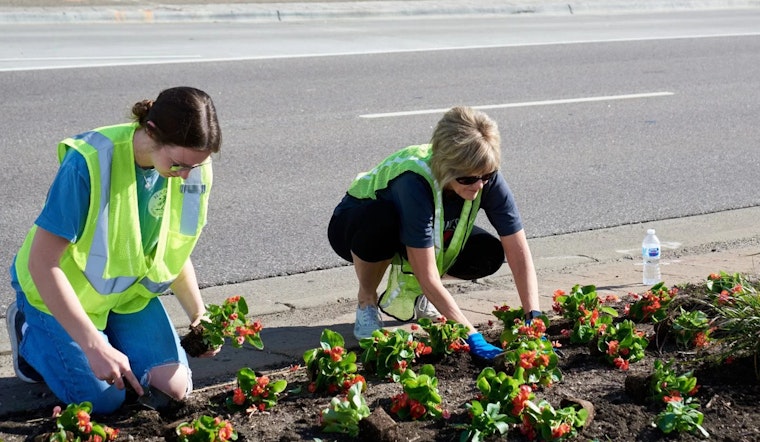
(412, 196)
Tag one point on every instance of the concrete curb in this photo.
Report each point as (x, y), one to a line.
(293, 12)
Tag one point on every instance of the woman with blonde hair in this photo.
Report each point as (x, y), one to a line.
(415, 213)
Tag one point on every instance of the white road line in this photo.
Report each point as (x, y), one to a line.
(524, 104)
(98, 58)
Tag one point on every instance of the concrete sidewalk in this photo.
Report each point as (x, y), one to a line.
(295, 309)
(162, 11)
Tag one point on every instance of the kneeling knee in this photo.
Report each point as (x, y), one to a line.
(174, 379)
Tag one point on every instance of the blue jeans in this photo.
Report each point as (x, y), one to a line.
(147, 338)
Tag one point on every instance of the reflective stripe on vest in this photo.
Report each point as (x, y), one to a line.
(98, 253)
(403, 288)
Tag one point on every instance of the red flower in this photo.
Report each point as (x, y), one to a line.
(399, 402)
(111, 433)
(225, 433)
(612, 348)
(561, 430)
(238, 397)
(621, 363)
(83, 418)
(541, 361)
(675, 396)
(423, 349)
(518, 402)
(527, 429)
(416, 409)
(336, 354)
(701, 340)
(526, 359)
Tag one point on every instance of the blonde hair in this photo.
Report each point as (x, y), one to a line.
(465, 142)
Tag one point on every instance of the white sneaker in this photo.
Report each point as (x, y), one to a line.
(425, 309)
(367, 320)
(16, 324)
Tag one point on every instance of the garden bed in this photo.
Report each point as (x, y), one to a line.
(728, 395)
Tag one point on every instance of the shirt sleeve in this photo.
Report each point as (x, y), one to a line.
(499, 204)
(68, 199)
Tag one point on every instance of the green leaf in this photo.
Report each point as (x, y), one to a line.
(242, 306)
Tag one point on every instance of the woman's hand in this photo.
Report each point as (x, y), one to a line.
(203, 317)
(111, 365)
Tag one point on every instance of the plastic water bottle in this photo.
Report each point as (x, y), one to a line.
(650, 253)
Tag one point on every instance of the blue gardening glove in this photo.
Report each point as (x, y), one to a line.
(482, 349)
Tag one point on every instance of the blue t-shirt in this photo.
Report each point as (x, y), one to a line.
(412, 196)
(68, 201)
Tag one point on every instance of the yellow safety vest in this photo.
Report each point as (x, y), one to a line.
(106, 266)
(403, 288)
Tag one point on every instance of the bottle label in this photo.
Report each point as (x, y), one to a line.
(650, 252)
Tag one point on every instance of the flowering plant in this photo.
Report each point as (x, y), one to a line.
(344, 413)
(445, 336)
(485, 421)
(390, 353)
(735, 325)
(229, 321)
(722, 281)
(691, 328)
(254, 393)
(206, 429)
(330, 367)
(221, 322)
(503, 389)
(74, 424)
(572, 305)
(420, 398)
(666, 383)
(534, 360)
(680, 415)
(589, 325)
(652, 306)
(622, 344)
(543, 421)
(516, 326)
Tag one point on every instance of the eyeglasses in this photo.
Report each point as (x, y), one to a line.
(469, 180)
(183, 167)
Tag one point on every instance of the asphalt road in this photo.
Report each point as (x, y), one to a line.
(579, 151)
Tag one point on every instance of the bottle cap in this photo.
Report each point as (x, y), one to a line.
(650, 231)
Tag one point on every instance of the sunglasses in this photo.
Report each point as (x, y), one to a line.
(469, 180)
(182, 167)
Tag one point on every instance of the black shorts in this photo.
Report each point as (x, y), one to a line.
(372, 231)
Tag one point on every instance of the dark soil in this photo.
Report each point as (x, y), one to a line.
(193, 343)
(729, 396)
